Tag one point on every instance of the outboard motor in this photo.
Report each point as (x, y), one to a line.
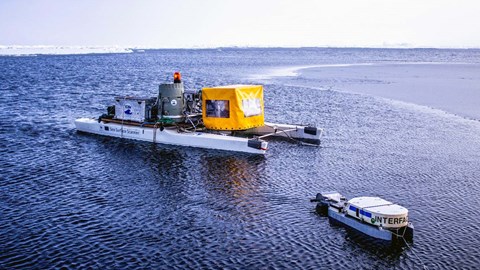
(170, 100)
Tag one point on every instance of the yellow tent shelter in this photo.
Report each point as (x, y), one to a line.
(233, 107)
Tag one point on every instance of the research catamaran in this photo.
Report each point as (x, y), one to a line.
(224, 117)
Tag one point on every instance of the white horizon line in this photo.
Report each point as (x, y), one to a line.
(149, 47)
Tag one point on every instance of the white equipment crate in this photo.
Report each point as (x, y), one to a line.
(133, 108)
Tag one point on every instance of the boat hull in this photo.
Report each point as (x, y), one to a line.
(167, 135)
(372, 231)
(369, 230)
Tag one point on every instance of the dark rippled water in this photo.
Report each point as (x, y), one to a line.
(81, 201)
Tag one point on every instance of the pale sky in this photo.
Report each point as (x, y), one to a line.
(215, 23)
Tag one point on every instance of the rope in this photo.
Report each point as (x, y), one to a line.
(123, 117)
(377, 205)
(155, 132)
(288, 136)
(409, 247)
(191, 122)
(418, 258)
(284, 131)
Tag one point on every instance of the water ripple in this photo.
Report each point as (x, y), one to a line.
(79, 201)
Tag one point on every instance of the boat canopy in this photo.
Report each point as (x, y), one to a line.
(378, 212)
(233, 107)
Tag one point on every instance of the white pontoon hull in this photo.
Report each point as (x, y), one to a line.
(168, 135)
(372, 231)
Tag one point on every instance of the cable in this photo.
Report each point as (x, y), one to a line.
(418, 258)
(287, 135)
(155, 127)
(409, 247)
(123, 117)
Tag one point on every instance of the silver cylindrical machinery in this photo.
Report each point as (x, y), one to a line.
(171, 104)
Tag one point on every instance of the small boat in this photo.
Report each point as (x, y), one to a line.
(227, 118)
(372, 216)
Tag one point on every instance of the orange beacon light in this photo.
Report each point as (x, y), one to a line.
(177, 77)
